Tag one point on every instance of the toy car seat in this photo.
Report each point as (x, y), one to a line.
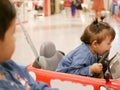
(49, 57)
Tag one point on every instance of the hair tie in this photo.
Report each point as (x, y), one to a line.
(95, 21)
(102, 18)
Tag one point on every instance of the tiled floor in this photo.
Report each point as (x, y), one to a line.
(63, 30)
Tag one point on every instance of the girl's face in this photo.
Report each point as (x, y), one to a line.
(104, 46)
(7, 45)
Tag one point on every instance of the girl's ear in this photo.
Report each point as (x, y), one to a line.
(94, 43)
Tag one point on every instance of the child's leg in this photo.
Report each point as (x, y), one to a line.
(73, 14)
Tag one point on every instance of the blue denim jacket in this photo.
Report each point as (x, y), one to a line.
(78, 61)
(14, 74)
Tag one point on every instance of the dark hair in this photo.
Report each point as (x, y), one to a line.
(97, 31)
(7, 14)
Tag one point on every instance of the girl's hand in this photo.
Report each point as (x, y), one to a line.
(96, 68)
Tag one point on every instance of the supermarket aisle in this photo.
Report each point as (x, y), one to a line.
(63, 31)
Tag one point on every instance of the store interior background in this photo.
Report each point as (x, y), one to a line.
(39, 24)
(52, 7)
